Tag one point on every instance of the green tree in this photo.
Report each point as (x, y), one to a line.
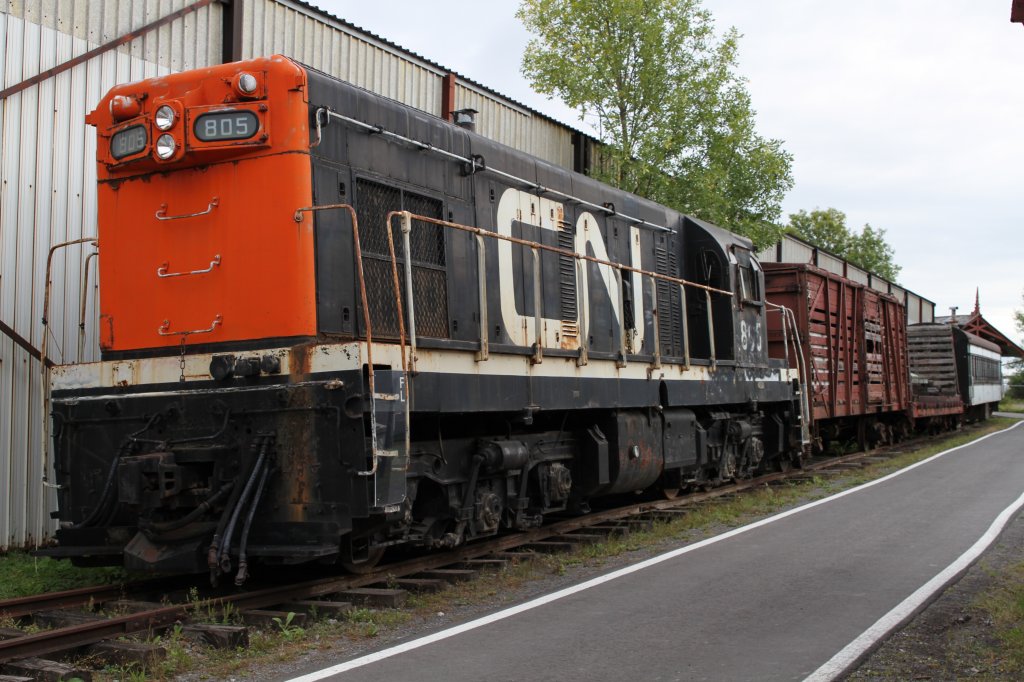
(1015, 367)
(1018, 318)
(870, 251)
(827, 230)
(676, 118)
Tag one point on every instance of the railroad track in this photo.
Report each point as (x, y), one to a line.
(383, 586)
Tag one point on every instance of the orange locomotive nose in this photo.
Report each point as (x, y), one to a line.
(200, 176)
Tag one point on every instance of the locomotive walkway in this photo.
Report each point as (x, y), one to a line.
(799, 594)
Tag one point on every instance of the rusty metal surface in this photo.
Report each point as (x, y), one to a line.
(23, 343)
(854, 341)
(106, 47)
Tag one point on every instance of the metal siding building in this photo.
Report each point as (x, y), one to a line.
(48, 175)
(48, 195)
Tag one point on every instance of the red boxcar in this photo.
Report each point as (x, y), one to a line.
(854, 346)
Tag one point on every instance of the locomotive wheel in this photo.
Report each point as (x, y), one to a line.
(670, 493)
(361, 565)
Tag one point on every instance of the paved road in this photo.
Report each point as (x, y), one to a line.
(772, 603)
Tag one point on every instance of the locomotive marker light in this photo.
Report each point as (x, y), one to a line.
(124, 107)
(246, 83)
(165, 146)
(164, 118)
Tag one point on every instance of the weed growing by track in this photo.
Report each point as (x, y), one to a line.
(1003, 605)
(24, 575)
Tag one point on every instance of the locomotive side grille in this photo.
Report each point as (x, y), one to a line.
(374, 201)
(567, 282)
(670, 320)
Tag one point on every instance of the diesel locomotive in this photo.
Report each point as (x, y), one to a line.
(332, 324)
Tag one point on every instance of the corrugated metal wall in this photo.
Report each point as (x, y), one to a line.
(517, 127)
(295, 30)
(48, 195)
(271, 27)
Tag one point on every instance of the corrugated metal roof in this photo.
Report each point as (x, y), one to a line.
(441, 69)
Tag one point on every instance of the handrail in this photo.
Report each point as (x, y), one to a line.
(536, 247)
(83, 303)
(788, 318)
(560, 251)
(162, 270)
(374, 450)
(476, 163)
(161, 213)
(44, 363)
(164, 329)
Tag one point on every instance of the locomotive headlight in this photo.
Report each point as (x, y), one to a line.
(164, 118)
(247, 83)
(165, 146)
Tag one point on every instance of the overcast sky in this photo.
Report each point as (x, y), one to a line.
(905, 114)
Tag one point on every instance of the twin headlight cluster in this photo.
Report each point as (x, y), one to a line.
(222, 125)
(164, 119)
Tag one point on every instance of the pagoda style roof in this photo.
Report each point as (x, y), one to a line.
(976, 324)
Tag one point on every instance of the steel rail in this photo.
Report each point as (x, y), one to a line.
(51, 641)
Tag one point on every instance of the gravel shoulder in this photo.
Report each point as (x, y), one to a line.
(956, 637)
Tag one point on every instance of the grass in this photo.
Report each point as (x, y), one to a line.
(1008, 404)
(1004, 606)
(24, 575)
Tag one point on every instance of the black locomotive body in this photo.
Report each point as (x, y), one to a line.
(583, 342)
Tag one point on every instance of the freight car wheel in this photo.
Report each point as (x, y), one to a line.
(670, 493)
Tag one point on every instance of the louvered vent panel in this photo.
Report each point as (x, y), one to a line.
(567, 283)
(670, 320)
(374, 201)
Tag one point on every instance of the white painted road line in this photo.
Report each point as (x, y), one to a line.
(600, 580)
(852, 653)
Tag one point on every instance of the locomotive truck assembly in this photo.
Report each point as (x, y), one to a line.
(332, 324)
